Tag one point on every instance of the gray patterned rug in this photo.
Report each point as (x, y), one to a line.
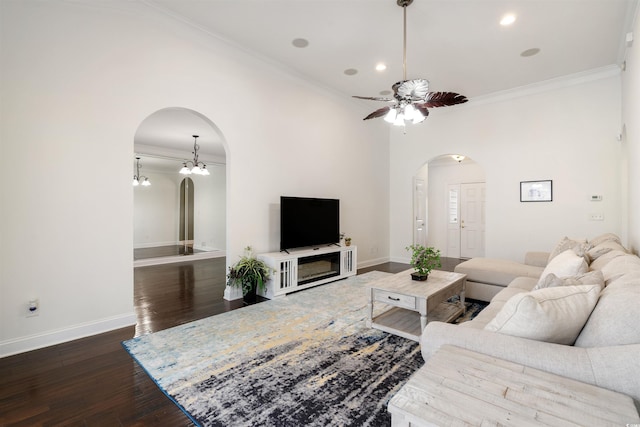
(307, 359)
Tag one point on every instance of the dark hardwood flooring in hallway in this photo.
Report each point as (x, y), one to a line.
(93, 381)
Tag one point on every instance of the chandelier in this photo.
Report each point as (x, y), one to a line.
(198, 167)
(137, 177)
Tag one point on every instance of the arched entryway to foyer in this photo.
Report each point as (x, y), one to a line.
(449, 206)
(164, 142)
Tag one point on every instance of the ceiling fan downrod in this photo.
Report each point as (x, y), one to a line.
(403, 4)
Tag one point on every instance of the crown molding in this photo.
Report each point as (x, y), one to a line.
(546, 85)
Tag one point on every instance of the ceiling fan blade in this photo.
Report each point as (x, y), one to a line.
(424, 110)
(373, 98)
(378, 113)
(443, 99)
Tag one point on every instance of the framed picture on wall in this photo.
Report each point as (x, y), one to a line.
(536, 191)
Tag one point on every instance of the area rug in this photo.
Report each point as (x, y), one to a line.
(307, 359)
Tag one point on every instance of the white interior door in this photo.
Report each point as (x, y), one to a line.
(453, 221)
(472, 219)
(420, 211)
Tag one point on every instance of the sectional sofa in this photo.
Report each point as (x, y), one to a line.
(573, 312)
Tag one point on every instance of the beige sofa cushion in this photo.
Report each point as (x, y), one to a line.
(496, 271)
(601, 261)
(614, 320)
(554, 315)
(620, 266)
(564, 265)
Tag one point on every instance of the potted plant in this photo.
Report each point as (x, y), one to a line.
(347, 241)
(423, 260)
(250, 274)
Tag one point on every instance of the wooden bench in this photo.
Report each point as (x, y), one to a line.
(461, 387)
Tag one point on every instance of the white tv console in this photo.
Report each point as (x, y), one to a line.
(304, 268)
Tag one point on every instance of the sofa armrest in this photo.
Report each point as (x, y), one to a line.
(536, 259)
(615, 368)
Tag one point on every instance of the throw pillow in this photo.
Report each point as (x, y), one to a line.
(578, 246)
(606, 237)
(605, 247)
(554, 315)
(590, 278)
(564, 265)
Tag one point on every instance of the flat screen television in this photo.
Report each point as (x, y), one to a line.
(308, 222)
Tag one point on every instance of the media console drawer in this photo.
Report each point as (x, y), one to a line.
(395, 299)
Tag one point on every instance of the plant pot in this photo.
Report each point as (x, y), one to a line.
(250, 296)
(419, 277)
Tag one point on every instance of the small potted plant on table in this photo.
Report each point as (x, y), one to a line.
(423, 260)
(250, 274)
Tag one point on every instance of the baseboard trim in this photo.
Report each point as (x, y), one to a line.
(178, 258)
(34, 342)
(372, 262)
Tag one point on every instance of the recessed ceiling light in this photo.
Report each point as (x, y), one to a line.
(385, 92)
(300, 42)
(381, 66)
(351, 71)
(530, 52)
(508, 19)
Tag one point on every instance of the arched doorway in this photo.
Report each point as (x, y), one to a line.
(449, 206)
(163, 142)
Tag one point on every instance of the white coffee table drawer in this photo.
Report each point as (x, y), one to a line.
(395, 299)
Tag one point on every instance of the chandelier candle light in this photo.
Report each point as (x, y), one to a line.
(198, 168)
(412, 98)
(137, 177)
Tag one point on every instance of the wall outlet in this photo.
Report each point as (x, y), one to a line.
(33, 308)
(596, 217)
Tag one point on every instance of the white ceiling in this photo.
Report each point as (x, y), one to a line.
(458, 45)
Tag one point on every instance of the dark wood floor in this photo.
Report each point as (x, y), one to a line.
(93, 381)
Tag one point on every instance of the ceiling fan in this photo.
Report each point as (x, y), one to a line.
(411, 98)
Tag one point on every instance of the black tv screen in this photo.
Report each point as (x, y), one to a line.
(308, 222)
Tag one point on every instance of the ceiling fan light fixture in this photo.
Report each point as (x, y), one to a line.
(390, 117)
(399, 121)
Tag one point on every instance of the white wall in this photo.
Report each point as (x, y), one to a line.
(563, 130)
(156, 212)
(78, 78)
(631, 135)
(210, 209)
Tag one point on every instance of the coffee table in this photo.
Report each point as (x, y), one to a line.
(459, 387)
(414, 303)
